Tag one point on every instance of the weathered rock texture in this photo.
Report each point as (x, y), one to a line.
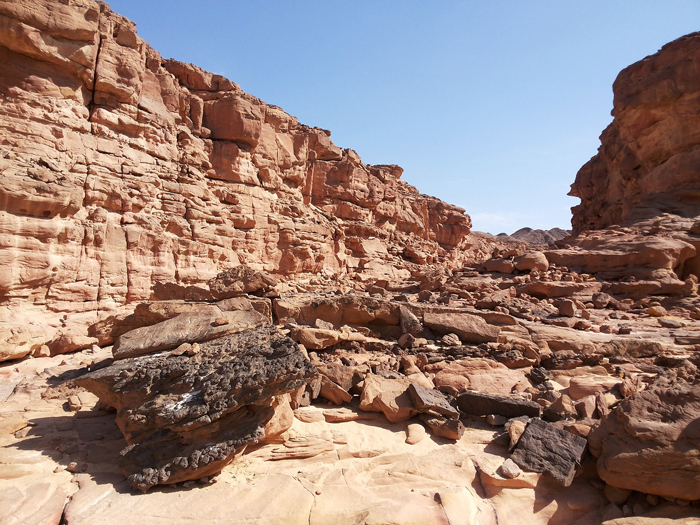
(121, 169)
(649, 158)
(187, 416)
(651, 442)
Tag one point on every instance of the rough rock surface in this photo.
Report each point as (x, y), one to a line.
(544, 448)
(539, 236)
(651, 442)
(648, 160)
(153, 192)
(122, 170)
(482, 404)
(186, 417)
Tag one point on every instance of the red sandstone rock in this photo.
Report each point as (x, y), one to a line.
(650, 442)
(650, 154)
(152, 171)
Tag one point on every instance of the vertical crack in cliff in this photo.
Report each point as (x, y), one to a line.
(91, 104)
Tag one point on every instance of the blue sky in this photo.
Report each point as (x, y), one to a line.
(489, 105)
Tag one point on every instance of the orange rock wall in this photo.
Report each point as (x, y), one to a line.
(649, 159)
(121, 169)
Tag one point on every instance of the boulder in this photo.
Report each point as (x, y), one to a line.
(483, 375)
(388, 396)
(482, 404)
(547, 449)
(410, 324)
(443, 427)
(17, 342)
(469, 328)
(333, 392)
(499, 265)
(650, 442)
(241, 280)
(184, 328)
(532, 261)
(185, 417)
(64, 343)
(316, 338)
(586, 385)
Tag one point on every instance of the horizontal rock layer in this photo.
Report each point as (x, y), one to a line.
(121, 170)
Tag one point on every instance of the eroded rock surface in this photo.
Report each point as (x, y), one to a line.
(650, 153)
(651, 442)
(186, 416)
(122, 171)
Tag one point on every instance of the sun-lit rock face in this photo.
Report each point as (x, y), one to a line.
(121, 170)
(649, 159)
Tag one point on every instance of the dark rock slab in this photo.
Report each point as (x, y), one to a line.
(482, 404)
(187, 416)
(195, 327)
(547, 449)
(443, 427)
(431, 401)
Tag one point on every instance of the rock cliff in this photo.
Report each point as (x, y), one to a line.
(649, 157)
(121, 169)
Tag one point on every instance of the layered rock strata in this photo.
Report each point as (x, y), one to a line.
(649, 156)
(122, 170)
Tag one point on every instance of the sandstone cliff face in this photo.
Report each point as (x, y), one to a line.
(649, 159)
(121, 170)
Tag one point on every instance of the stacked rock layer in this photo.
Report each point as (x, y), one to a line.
(121, 169)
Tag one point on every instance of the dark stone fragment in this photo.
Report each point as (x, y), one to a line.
(539, 375)
(482, 404)
(550, 450)
(430, 401)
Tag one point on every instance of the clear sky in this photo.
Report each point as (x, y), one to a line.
(489, 105)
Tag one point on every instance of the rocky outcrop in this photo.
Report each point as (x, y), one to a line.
(650, 442)
(649, 156)
(186, 415)
(122, 170)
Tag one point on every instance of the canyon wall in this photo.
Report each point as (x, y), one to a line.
(649, 159)
(121, 170)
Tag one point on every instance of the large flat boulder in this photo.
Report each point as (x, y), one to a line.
(470, 328)
(483, 375)
(187, 416)
(651, 441)
(483, 404)
(185, 328)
